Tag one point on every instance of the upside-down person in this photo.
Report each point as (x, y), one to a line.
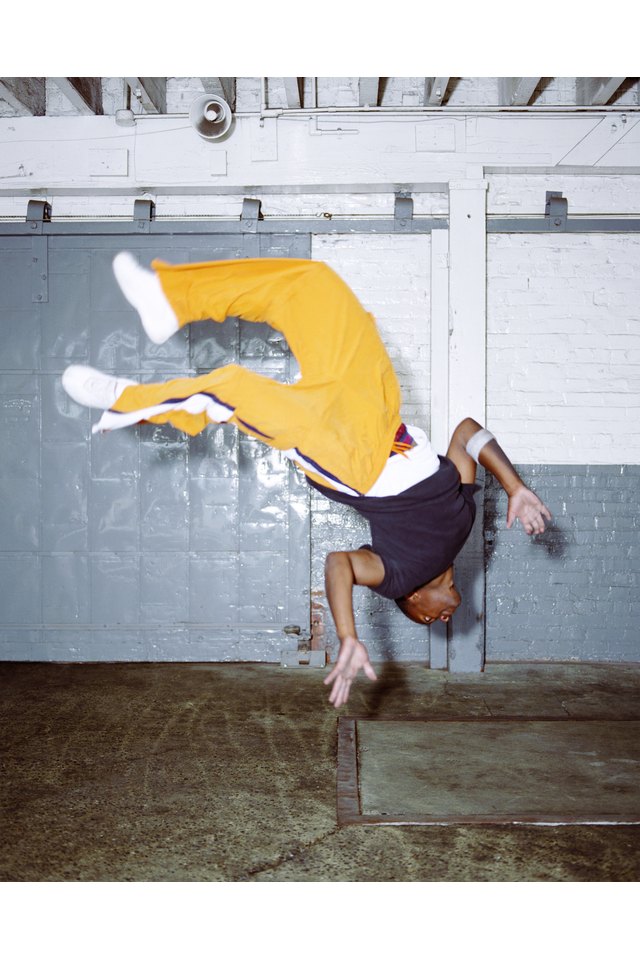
(340, 423)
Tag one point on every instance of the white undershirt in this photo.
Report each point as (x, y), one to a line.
(401, 472)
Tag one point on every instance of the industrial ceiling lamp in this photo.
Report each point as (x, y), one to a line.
(211, 117)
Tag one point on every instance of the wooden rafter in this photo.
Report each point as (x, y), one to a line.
(517, 91)
(435, 90)
(596, 91)
(85, 93)
(293, 87)
(25, 93)
(369, 91)
(151, 92)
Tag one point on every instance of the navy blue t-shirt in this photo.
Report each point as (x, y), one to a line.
(417, 533)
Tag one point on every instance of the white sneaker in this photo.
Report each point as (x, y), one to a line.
(91, 388)
(143, 290)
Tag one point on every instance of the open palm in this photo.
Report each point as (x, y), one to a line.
(529, 509)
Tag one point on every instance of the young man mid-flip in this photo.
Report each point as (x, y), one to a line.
(340, 423)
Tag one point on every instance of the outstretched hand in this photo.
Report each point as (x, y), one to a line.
(529, 509)
(352, 658)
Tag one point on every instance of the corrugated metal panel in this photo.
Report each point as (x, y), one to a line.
(140, 544)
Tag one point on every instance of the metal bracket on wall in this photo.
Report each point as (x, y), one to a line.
(304, 656)
(402, 212)
(39, 213)
(251, 214)
(144, 211)
(555, 210)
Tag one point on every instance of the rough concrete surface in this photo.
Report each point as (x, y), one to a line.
(227, 772)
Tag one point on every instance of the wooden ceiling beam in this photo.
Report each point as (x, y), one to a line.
(25, 93)
(85, 93)
(293, 87)
(435, 90)
(596, 91)
(151, 92)
(368, 91)
(517, 91)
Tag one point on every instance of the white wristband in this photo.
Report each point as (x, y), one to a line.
(477, 442)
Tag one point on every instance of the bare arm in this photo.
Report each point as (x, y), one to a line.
(524, 505)
(343, 570)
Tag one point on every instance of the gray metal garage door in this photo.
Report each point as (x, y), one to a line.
(141, 544)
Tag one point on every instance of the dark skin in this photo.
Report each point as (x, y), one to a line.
(436, 600)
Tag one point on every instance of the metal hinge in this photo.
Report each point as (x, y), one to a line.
(555, 210)
(402, 212)
(304, 656)
(144, 211)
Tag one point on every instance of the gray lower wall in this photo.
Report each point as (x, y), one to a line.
(573, 592)
(569, 594)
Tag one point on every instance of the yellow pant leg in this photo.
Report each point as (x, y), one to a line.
(328, 330)
(344, 412)
(277, 413)
(347, 376)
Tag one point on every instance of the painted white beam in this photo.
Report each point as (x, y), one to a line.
(596, 91)
(439, 419)
(435, 89)
(228, 85)
(151, 92)
(439, 376)
(25, 93)
(517, 91)
(292, 89)
(55, 153)
(369, 91)
(85, 93)
(467, 300)
(467, 395)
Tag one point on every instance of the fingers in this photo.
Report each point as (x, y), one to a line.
(536, 525)
(533, 526)
(369, 671)
(340, 692)
(342, 683)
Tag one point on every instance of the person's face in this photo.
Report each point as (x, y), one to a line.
(430, 603)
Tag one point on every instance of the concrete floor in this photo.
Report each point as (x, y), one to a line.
(227, 772)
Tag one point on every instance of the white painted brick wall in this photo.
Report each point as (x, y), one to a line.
(585, 194)
(390, 276)
(563, 367)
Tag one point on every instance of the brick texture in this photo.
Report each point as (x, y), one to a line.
(390, 276)
(563, 347)
(573, 592)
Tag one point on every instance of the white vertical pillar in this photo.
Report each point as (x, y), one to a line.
(467, 395)
(439, 419)
(467, 300)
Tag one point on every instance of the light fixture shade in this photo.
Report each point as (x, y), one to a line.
(210, 116)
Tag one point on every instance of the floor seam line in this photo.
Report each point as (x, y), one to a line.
(289, 856)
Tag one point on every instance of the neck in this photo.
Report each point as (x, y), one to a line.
(444, 579)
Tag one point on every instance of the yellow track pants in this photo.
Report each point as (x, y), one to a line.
(340, 417)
